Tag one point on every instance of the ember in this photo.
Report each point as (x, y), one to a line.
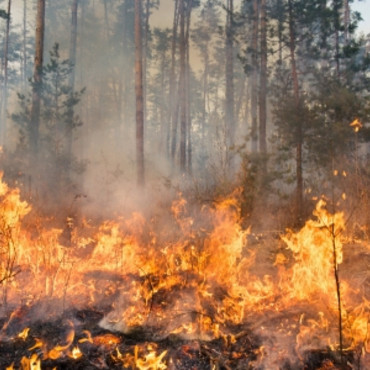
(125, 295)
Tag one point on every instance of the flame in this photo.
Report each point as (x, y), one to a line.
(24, 333)
(356, 124)
(106, 340)
(311, 276)
(33, 363)
(195, 278)
(149, 361)
(59, 350)
(75, 353)
(358, 329)
(87, 339)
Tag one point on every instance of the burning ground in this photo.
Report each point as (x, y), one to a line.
(183, 288)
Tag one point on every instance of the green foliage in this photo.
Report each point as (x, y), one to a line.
(330, 135)
(58, 99)
(58, 120)
(4, 14)
(334, 85)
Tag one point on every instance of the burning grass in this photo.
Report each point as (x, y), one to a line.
(184, 289)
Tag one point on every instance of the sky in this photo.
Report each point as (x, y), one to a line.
(364, 8)
(164, 16)
(166, 10)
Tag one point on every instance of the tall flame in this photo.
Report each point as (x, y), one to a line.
(196, 277)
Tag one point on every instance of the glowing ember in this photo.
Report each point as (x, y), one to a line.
(148, 361)
(75, 353)
(24, 333)
(33, 363)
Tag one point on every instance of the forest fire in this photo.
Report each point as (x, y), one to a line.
(184, 185)
(191, 293)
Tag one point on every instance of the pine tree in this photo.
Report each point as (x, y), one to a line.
(139, 96)
(37, 77)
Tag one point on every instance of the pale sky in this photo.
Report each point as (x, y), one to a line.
(363, 7)
(164, 16)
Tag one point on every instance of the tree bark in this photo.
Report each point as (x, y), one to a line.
(182, 89)
(145, 59)
(73, 42)
(37, 77)
(189, 151)
(280, 29)
(4, 103)
(347, 20)
(337, 9)
(72, 59)
(24, 66)
(173, 100)
(263, 81)
(229, 74)
(254, 82)
(139, 96)
(299, 131)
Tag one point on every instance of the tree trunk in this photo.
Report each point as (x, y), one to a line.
(24, 66)
(182, 89)
(347, 20)
(37, 77)
(139, 96)
(205, 91)
(73, 42)
(280, 29)
(337, 9)
(145, 46)
(254, 82)
(163, 129)
(263, 81)
(4, 104)
(229, 74)
(173, 100)
(72, 59)
(299, 131)
(189, 150)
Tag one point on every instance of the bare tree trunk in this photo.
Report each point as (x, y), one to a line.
(254, 82)
(72, 59)
(182, 89)
(24, 67)
(4, 104)
(205, 95)
(229, 74)
(299, 132)
(280, 29)
(337, 27)
(127, 74)
(347, 19)
(139, 96)
(187, 88)
(37, 77)
(73, 42)
(145, 46)
(163, 129)
(173, 100)
(263, 81)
